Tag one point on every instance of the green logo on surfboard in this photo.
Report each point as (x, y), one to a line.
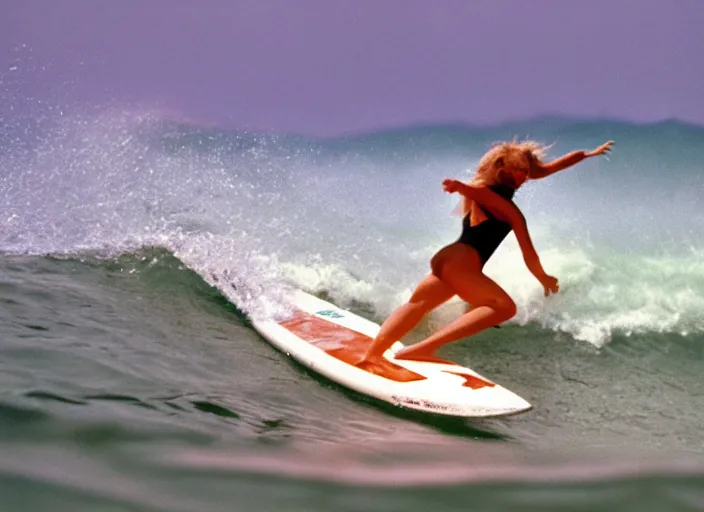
(329, 313)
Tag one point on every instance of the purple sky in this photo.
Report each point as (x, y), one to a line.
(329, 66)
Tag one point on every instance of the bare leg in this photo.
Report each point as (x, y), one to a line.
(429, 294)
(492, 306)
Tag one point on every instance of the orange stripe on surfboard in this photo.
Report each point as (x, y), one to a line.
(343, 343)
(347, 345)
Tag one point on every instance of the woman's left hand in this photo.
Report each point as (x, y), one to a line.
(601, 150)
(451, 186)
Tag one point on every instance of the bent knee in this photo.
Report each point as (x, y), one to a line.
(505, 306)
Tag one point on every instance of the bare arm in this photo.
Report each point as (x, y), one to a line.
(508, 212)
(541, 170)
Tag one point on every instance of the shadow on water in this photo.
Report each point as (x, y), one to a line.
(449, 425)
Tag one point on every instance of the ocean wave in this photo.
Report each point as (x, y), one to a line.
(357, 218)
(597, 301)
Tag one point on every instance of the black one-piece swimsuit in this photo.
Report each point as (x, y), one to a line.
(486, 236)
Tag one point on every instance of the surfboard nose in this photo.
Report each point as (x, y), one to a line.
(491, 402)
(507, 402)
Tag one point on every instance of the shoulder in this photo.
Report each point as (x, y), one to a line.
(497, 204)
(503, 190)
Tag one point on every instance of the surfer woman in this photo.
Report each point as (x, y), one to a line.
(457, 269)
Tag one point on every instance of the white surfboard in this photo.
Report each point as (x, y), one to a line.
(320, 336)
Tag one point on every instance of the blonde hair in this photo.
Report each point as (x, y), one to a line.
(493, 168)
(502, 156)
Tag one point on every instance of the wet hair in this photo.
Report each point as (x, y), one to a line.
(493, 167)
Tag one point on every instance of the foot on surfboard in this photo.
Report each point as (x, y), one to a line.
(385, 368)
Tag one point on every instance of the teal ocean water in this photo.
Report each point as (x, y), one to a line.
(133, 250)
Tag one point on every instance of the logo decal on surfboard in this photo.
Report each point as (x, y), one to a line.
(329, 313)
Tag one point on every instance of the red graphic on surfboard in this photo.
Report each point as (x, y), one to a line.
(347, 345)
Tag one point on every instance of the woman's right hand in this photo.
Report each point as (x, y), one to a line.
(604, 149)
(550, 284)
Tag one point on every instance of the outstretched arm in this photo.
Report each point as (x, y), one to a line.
(508, 212)
(541, 170)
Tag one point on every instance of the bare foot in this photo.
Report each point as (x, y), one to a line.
(382, 367)
(373, 365)
(356, 360)
(367, 361)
